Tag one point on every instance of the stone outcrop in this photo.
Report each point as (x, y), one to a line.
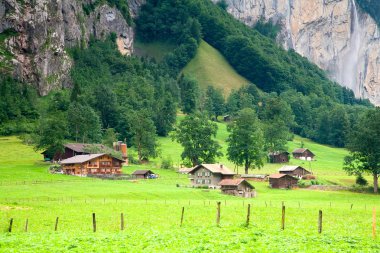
(46, 28)
(334, 34)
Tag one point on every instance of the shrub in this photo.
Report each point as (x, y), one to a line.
(167, 163)
(360, 180)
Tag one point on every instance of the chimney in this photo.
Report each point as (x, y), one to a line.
(221, 166)
(123, 149)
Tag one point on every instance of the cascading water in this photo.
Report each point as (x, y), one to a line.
(348, 68)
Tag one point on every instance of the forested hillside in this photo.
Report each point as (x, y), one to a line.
(136, 99)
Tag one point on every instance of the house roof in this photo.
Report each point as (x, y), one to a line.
(234, 182)
(301, 151)
(82, 147)
(214, 168)
(80, 158)
(291, 168)
(253, 176)
(276, 176)
(142, 172)
(278, 153)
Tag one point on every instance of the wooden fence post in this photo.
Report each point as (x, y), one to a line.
(218, 214)
(56, 224)
(93, 222)
(26, 225)
(320, 222)
(248, 214)
(351, 206)
(10, 225)
(183, 210)
(374, 223)
(283, 218)
(122, 221)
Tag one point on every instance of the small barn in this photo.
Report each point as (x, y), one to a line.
(303, 154)
(210, 174)
(295, 171)
(237, 187)
(143, 174)
(282, 181)
(278, 157)
(184, 170)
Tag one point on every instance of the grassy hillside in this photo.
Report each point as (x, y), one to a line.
(152, 210)
(209, 67)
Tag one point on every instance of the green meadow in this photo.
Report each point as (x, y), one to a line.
(152, 209)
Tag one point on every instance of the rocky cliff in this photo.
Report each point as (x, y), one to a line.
(334, 34)
(46, 28)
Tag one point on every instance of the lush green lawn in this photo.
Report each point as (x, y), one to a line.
(152, 210)
(209, 67)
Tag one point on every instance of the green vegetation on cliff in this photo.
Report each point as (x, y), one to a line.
(372, 7)
(209, 67)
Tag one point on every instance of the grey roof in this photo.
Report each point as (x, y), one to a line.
(214, 168)
(301, 151)
(82, 147)
(80, 158)
(289, 168)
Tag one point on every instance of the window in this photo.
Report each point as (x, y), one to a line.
(199, 181)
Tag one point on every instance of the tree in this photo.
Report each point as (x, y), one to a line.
(189, 94)
(364, 146)
(195, 133)
(144, 135)
(50, 133)
(83, 123)
(109, 137)
(165, 114)
(214, 102)
(246, 141)
(106, 104)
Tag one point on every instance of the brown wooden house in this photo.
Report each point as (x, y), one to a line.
(278, 157)
(142, 174)
(295, 171)
(237, 187)
(209, 174)
(303, 154)
(82, 165)
(282, 181)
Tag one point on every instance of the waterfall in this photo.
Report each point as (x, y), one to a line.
(348, 68)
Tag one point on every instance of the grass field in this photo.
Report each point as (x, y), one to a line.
(210, 68)
(152, 210)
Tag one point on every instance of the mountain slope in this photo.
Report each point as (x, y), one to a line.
(210, 67)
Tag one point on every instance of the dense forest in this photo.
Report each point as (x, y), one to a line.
(136, 99)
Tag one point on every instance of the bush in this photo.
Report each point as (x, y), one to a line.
(303, 183)
(360, 180)
(167, 163)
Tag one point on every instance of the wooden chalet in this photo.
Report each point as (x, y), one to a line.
(278, 157)
(282, 181)
(73, 149)
(295, 171)
(210, 174)
(303, 154)
(237, 187)
(97, 164)
(142, 174)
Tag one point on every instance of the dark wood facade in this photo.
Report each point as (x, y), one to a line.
(296, 171)
(303, 154)
(237, 187)
(282, 181)
(142, 174)
(278, 157)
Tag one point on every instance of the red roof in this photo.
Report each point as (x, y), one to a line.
(234, 182)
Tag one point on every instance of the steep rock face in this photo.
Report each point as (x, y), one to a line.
(334, 34)
(46, 27)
